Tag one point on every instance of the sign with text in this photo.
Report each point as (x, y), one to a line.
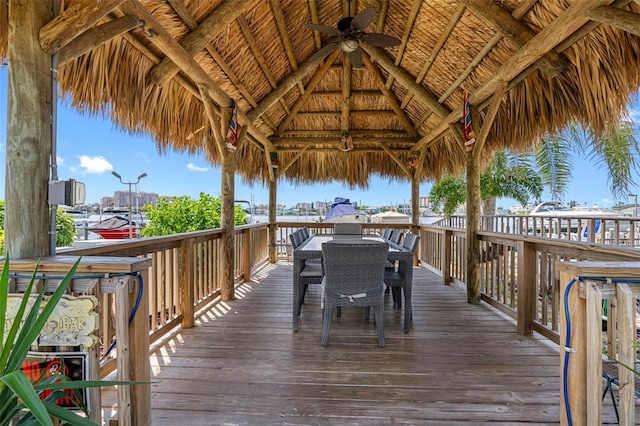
(71, 323)
(39, 365)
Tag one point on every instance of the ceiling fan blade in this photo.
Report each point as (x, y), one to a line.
(323, 29)
(379, 40)
(323, 52)
(355, 58)
(363, 19)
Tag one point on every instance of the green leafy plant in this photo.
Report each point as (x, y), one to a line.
(19, 398)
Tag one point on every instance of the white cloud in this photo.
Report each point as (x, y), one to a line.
(92, 165)
(634, 115)
(195, 168)
(59, 160)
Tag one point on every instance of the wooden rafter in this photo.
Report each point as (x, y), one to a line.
(313, 11)
(346, 93)
(74, 21)
(391, 97)
(257, 53)
(352, 93)
(356, 149)
(195, 41)
(518, 13)
(411, 19)
(210, 110)
(551, 63)
(383, 7)
(286, 41)
(490, 117)
(407, 81)
(96, 36)
(338, 114)
(312, 84)
(267, 161)
(319, 140)
(186, 63)
(397, 160)
(574, 17)
(189, 20)
(623, 19)
(291, 162)
(382, 134)
(436, 50)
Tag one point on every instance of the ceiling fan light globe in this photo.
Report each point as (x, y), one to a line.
(349, 45)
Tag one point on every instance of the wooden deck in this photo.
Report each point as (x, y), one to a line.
(460, 364)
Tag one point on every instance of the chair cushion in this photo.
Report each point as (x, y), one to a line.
(316, 261)
(311, 270)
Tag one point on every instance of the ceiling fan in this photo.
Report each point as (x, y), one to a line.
(349, 34)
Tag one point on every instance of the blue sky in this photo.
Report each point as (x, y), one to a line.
(90, 148)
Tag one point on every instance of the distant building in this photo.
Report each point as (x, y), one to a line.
(138, 199)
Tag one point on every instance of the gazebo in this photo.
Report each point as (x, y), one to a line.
(318, 91)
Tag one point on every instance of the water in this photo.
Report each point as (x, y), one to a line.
(424, 220)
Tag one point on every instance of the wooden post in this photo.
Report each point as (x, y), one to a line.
(446, 256)
(187, 299)
(273, 227)
(593, 356)
(576, 367)
(248, 261)
(227, 225)
(28, 151)
(124, 359)
(415, 203)
(140, 365)
(527, 294)
(627, 352)
(473, 218)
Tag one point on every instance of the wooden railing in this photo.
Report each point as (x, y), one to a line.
(618, 231)
(185, 275)
(518, 274)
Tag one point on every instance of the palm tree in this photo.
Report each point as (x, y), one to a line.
(617, 150)
(508, 176)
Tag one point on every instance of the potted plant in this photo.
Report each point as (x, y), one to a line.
(20, 400)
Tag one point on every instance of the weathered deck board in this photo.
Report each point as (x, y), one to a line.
(460, 364)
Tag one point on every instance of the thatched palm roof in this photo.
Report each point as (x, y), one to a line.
(561, 61)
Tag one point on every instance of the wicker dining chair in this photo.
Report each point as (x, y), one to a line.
(399, 283)
(396, 236)
(347, 228)
(386, 233)
(353, 276)
(311, 272)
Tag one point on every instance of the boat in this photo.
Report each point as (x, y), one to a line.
(116, 228)
(390, 217)
(562, 220)
(343, 211)
(556, 208)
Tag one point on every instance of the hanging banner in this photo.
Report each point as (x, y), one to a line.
(467, 129)
(232, 132)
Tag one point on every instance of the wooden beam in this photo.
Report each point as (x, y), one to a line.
(279, 141)
(436, 50)
(382, 134)
(457, 134)
(352, 94)
(411, 19)
(490, 117)
(551, 63)
(74, 21)
(382, 15)
(312, 85)
(391, 97)
(623, 19)
(187, 64)
(209, 109)
(335, 150)
(397, 160)
(96, 36)
(338, 114)
(194, 42)
(346, 93)
(267, 159)
(283, 169)
(284, 35)
(562, 27)
(407, 81)
(518, 13)
(313, 11)
(283, 87)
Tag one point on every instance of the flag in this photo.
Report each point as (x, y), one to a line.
(467, 129)
(232, 132)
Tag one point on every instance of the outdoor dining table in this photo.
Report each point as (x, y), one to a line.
(311, 248)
